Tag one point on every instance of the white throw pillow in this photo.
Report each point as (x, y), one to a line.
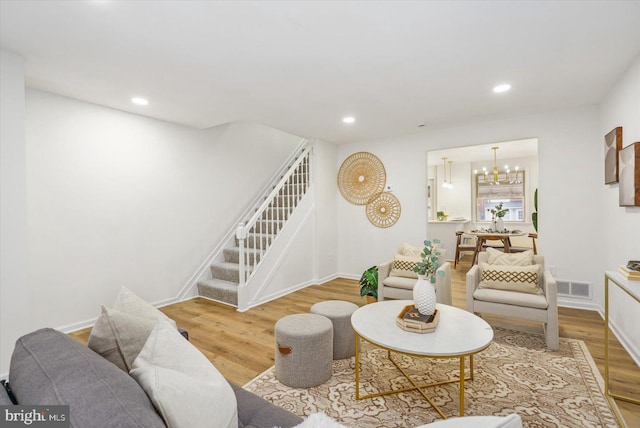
(319, 420)
(186, 389)
(496, 257)
(130, 332)
(103, 339)
(511, 421)
(409, 250)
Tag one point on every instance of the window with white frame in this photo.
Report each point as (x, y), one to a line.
(508, 190)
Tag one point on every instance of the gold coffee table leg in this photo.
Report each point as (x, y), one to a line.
(415, 386)
(357, 366)
(462, 385)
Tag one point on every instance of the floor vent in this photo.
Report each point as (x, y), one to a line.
(581, 290)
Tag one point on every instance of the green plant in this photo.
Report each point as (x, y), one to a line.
(429, 263)
(534, 215)
(498, 211)
(369, 282)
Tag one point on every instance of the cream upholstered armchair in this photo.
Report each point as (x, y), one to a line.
(396, 277)
(504, 284)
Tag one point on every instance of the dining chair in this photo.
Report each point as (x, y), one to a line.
(533, 237)
(462, 246)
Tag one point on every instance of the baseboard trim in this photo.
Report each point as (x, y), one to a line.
(80, 325)
(573, 304)
(622, 338)
(348, 276)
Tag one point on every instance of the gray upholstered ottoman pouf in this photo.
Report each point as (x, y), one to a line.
(339, 312)
(304, 350)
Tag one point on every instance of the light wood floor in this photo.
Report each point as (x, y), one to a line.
(241, 345)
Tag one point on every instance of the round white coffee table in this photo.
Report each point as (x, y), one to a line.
(458, 334)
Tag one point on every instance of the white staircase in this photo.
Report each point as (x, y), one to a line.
(255, 234)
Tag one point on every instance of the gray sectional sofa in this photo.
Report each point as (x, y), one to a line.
(49, 368)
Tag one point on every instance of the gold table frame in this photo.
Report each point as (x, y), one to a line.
(415, 386)
(611, 397)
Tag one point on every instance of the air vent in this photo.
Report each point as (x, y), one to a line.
(582, 290)
(564, 288)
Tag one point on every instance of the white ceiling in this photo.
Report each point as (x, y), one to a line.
(301, 66)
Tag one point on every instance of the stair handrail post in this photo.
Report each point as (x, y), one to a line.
(241, 235)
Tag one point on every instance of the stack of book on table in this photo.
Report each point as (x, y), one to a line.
(412, 320)
(628, 274)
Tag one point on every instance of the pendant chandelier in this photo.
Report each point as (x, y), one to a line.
(496, 178)
(495, 174)
(447, 184)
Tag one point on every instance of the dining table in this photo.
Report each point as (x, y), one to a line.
(482, 236)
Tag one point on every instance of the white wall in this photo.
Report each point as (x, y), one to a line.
(621, 238)
(118, 199)
(326, 191)
(14, 294)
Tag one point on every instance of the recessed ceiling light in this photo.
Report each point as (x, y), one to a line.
(139, 101)
(348, 119)
(502, 88)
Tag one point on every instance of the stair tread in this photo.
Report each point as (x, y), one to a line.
(226, 265)
(247, 250)
(219, 283)
(219, 290)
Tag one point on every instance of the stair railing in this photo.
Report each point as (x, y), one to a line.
(258, 233)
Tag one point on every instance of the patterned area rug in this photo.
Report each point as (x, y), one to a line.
(516, 374)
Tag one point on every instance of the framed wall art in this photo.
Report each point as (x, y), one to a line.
(630, 176)
(612, 146)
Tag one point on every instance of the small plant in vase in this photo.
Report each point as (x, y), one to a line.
(369, 284)
(497, 213)
(424, 293)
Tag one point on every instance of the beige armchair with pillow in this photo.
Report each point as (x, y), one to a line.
(396, 277)
(514, 285)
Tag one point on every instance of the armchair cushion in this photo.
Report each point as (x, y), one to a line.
(512, 298)
(495, 257)
(400, 282)
(523, 279)
(404, 265)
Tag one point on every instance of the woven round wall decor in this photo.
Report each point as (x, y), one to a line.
(384, 210)
(361, 177)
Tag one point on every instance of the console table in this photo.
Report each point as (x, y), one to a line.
(632, 288)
